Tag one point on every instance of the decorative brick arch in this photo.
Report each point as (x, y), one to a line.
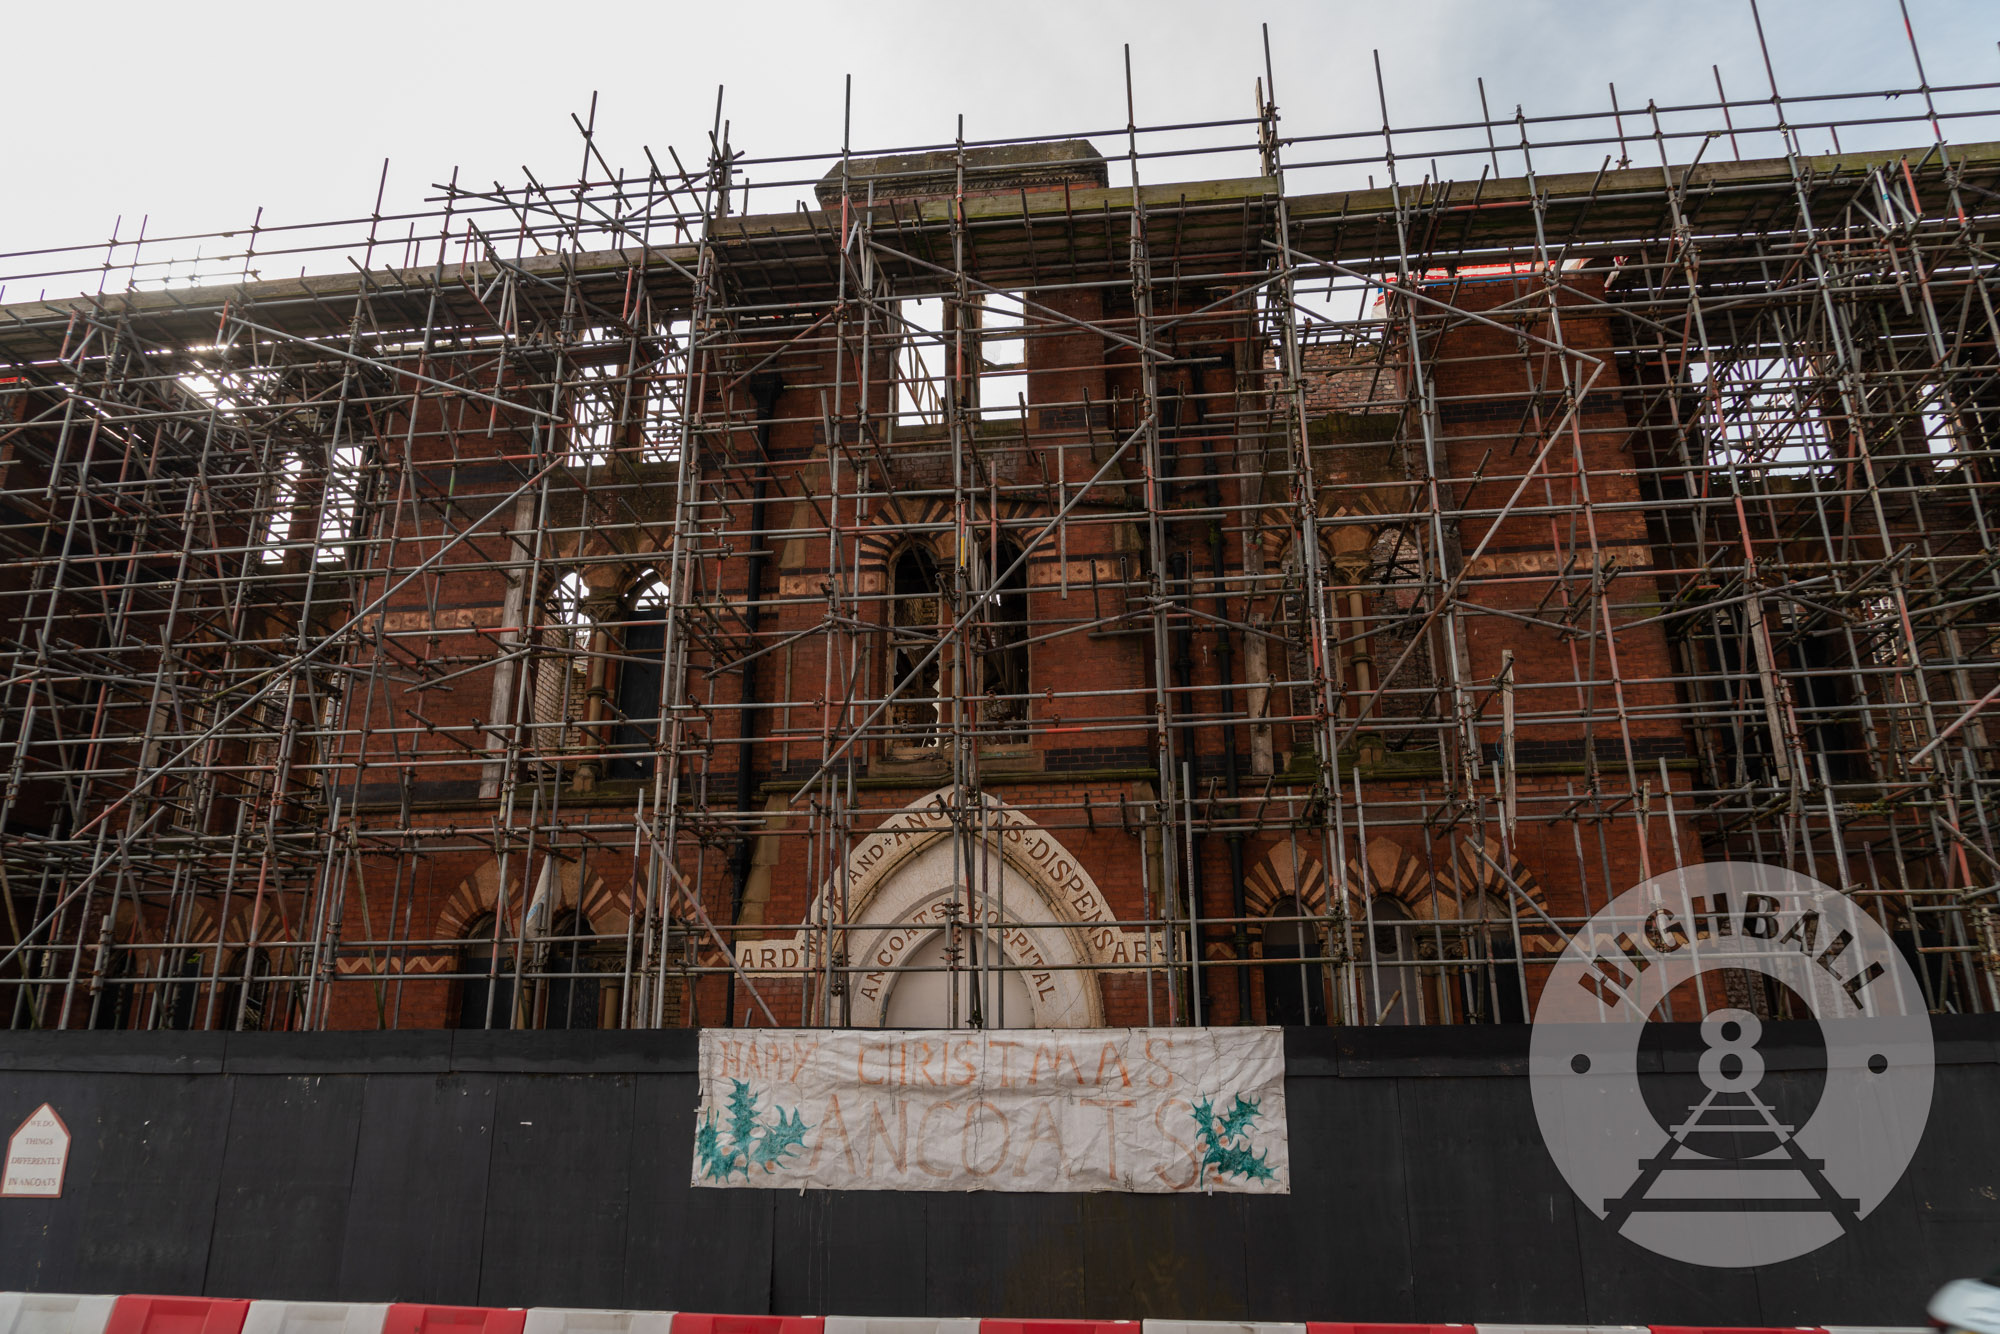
(1268, 886)
(203, 926)
(1397, 872)
(471, 898)
(1477, 879)
(888, 531)
(1338, 542)
(634, 580)
(1393, 870)
(272, 928)
(1473, 873)
(1390, 869)
(603, 909)
(606, 910)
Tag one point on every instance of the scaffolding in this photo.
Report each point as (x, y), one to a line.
(1488, 514)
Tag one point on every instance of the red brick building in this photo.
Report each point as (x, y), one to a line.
(994, 597)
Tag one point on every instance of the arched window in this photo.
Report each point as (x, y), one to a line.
(1382, 616)
(572, 986)
(1289, 660)
(916, 619)
(1489, 988)
(271, 996)
(562, 667)
(1294, 990)
(1391, 982)
(180, 989)
(1004, 657)
(114, 996)
(483, 981)
(264, 1004)
(641, 669)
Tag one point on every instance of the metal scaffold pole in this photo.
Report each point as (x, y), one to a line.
(699, 594)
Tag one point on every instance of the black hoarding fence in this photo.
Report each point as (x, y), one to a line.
(552, 1169)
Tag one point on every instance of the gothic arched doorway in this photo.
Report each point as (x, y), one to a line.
(1026, 920)
(987, 983)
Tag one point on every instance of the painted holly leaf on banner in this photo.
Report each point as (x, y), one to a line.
(708, 1150)
(787, 1136)
(1238, 1119)
(751, 1143)
(742, 1114)
(1225, 1140)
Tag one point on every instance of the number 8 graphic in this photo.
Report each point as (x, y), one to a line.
(1723, 1044)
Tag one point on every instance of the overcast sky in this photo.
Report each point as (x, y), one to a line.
(198, 113)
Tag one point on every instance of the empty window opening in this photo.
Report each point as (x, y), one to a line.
(1003, 360)
(1768, 413)
(921, 361)
(1490, 987)
(486, 992)
(180, 989)
(278, 513)
(569, 963)
(1940, 424)
(1391, 983)
(562, 667)
(916, 622)
(1294, 982)
(641, 674)
(339, 515)
(1003, 706)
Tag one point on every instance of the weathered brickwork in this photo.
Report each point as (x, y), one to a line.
(1082, 780)
(999, 595)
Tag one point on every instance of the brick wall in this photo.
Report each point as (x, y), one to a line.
(1081, 786)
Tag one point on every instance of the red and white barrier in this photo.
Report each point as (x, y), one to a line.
(61, 1313)
(176, 1315)
(315, 1318)
(567, 1320)
(53, 1313)
(689, 1322)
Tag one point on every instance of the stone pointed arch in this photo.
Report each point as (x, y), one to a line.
(1038, 897)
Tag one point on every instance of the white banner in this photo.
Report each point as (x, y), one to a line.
(1133, 1109)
